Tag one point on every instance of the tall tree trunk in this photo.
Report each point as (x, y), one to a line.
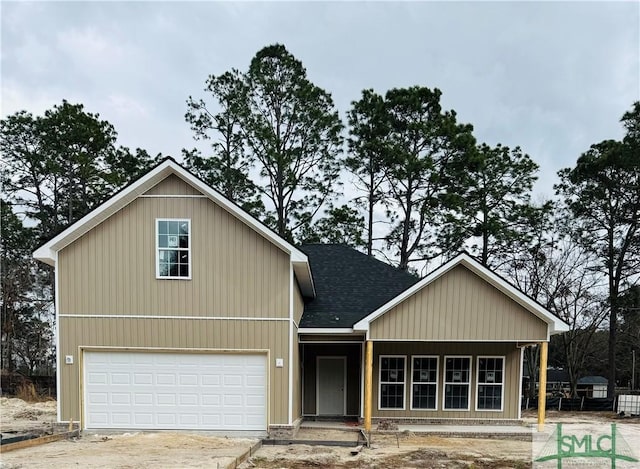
(404, 242)
(370, 220)
(613, 317)
(613, 329)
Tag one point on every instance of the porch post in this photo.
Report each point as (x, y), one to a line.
(542, 386)
(368, 384)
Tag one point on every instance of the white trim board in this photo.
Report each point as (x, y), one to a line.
(555, 324)
(290, 365)
(145, 316)
(328, 331)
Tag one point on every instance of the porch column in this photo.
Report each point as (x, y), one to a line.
(542, 384)
(368, 384)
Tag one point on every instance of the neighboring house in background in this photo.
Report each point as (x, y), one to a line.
(592, 386)
(177, 310)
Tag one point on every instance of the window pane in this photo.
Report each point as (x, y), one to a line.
(173, 270)
(425, 369)
(162, 227)
(184, 270)
(392, 396)
(184, 228)
(457, 370)
(490, 370)
(456, 396)
(164, 270)
(490, 397)
(162, 241)
(174, 227)
(184, 241)
(392, 369)
(424, 396)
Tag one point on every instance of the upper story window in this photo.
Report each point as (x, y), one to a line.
(173, 249)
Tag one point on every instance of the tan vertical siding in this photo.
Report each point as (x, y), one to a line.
(459, 306)
(175, 333)
(510, 351)
(173, 185)
(235, 271)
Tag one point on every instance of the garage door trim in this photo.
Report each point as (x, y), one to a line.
(194, 351)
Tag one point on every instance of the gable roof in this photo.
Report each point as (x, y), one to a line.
(555, 324)
(47, 253)
(349, 285)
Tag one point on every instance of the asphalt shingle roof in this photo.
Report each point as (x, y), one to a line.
(593, 380)
(349, 285)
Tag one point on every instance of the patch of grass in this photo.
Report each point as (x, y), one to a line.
(27, 392)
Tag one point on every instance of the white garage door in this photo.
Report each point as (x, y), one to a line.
(190, 391)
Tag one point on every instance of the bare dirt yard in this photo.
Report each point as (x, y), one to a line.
(406, 450)
(17, 415)
(202, 450)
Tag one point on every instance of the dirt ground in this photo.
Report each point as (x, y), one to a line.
(17, 415)
(405, 450)
(113, 450)
(201, 450)
(131, 451)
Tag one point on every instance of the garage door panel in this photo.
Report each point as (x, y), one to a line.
(211, 380)
(141, 399)
(188, 380)
(175, 391)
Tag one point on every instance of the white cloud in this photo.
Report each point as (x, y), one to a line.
(91, 49)
(126, 107)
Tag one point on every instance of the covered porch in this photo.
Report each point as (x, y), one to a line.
(353, 381)
(332, 378)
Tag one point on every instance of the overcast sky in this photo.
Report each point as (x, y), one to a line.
(551, 77)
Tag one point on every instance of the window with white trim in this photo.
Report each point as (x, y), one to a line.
(173, 249)
(424, 382)
(392, 380)
(457, 386)
(490, 383)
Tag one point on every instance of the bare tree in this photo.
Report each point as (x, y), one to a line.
(559, 274)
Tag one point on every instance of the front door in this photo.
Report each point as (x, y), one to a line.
(331, 385)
